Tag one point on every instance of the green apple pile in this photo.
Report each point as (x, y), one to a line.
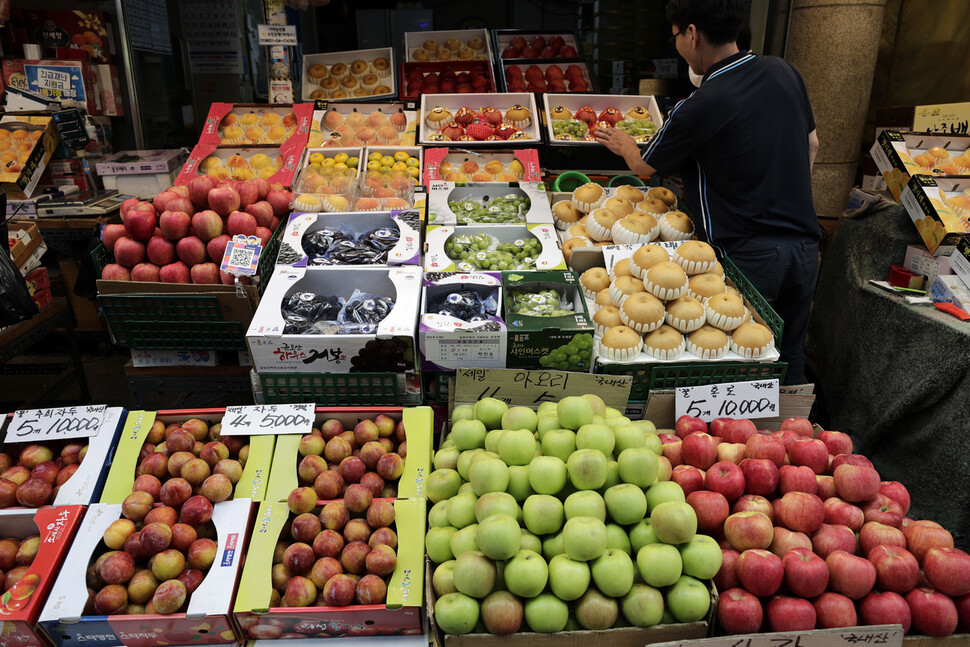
(561, 519)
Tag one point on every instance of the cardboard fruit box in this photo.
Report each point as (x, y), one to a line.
(441, 162)
(400, 614)
(928, 201)
(133, 443)
(418, 423)
(385, 84)
(23, 163)
(85, 485)
(407, 251)
(270, 162)
(21, 605)
(207, 618)
(488, 204)
(286, 126)
(531, 134)
(599, 103)
(436, 258)
(415, 40)
(896, 153)
(321, 132)
(461, 76)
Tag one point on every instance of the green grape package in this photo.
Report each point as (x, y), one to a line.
(337, 320)
(548, 324)
(492, 248)
(488, 204)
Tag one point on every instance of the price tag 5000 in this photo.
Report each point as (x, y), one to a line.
(268, 420)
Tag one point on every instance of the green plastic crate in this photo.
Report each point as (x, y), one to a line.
(647, 377)
(332, 389)
(436, 386)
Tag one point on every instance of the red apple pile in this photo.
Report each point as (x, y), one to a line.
(182, 461)
(153, 558)
(34, 478)
(372, 455)
(811, 536)
(539, 47)
(16, 556)
(553, 79)
(181, 235)
(422, 80)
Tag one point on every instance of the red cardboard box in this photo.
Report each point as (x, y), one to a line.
(213, 133)
(283, 167)
(82, 30)
(56, 528)
(528, 157)
(38, 280)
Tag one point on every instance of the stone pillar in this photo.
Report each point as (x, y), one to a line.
(834, 44)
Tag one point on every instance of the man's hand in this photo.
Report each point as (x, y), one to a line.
(620, 143)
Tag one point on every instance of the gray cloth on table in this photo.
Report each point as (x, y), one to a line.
(893, 375)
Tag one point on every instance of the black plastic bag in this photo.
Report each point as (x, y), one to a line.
(16, 304)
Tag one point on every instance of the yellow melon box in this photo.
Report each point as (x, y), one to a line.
(940, 209)
(902, 155)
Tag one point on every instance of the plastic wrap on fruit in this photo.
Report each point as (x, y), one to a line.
(467, 305)
(347, 252)
(541, 303)
(382, 239)
(306, 308)
(363, 313)
(316, 243)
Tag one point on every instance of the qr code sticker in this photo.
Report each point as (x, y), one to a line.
(241, 257)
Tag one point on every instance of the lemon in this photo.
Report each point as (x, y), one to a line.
(400, 156)
(373, 165)
(340, 165)
(387, 160)
(316, 157)
(374, 156)
(399, 166)
(414, 171)
(327, 161)
(413, 162)
(341, 157)
(353, 162)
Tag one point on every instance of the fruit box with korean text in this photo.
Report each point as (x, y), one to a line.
(205, 618)
(337, 121)
(84, 484)
(488, 204)
(416, 425)
(375, 333)
(223, 163)
(440, 163)
(528, 133)
(142, 427)
(460, 333)
(939, 209)
(33, 140)
(301, 228)
(630, 113)
(259, 616)
(898, 155)
(492, 248)
(21, 604)
(258, 124)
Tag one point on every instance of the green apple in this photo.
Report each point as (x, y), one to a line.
(625, 504)
(499, 536)
(568, 578)
(617, 538)
(585, 503)
(542, 514)
(572, 624)
(612, 476)
(613, 572)
(659, 564)
(546, 613)
(668, 618)
(647, 426)
(438, 544)
(501, 613)
(491, 440)
(456, 613)
(499, 577)
(443, 484)
(642, 534)
(617, 419)
(547, 406)
(548, 420)
(520, 418)
(464, 540)
(674, 522)
(552, 546)
(530, 541)
(599, 407)
(547, 474)
(587, 469)
(596, 612)
(438, 514)
(702, 557)
(628, 437)
(689, 600)
(495, 502)
(664, 470)
(584, 538)
(654, 444)
(447, 442)
(517, 446)
(466, 488)
(462, 412)
(560, 443)
(446, 458)
(519, 486)
(526, 574)
(643, 606)
(443, 580)
(490, 411)
(488, 475)
(639, 466)
(596, 437)
(461, 510)
(574, 412)
(465, 461)
(468, 434)
(662, 492)
(474, 574)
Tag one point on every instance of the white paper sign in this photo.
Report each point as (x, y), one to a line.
(268, 420)
(277, 34)
(885, 635)
(32, 425)
(757, 399)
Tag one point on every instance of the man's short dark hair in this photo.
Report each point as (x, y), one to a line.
(719, 20)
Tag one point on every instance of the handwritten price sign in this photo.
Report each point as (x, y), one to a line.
(757, 399)
(268, 420)
(31, 425)
(532, 388)
(885, 635)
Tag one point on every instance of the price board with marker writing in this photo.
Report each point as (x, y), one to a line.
(884, 635)
(268, 420)
(33, 425)
(755, 399)
(532, 388)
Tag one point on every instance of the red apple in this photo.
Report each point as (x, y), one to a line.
(726, 478)
(836, 442)
(790, 614)
(736, 431)
(884, 510)
(673, 451)
(923, 535)
(875, 534)
(800, 426)
(850, 459)
(739, 612)
(760, 476)
(801, 512)
(842, 513)
(711, 509)
(806, 574)
(786, 437)
(856, 482)
(731, 452)
(947, 570)
(963, 610)
(810, 453)
(746, 530)
(727, 575)
(934, 614)
(687, 425)
(829, 538)
(886, 608)
(784, 540)
(825, 486)
(850, 574)
(699, 450)
(754, 503)
(834, 610)
(897, 492)
(896, 568)
(792, 478)
(690, 479)
(760, 571)
(765, 446)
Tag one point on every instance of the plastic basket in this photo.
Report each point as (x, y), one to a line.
(619, 180)
(569, 181)
(333, 389)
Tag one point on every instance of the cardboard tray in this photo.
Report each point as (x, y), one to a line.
(474, 68)
(437, 260)
(319, 133)
(597, 102)
(283, 168)
(434, 158)
(347, 57)
(894, 152)
(441, 193)
(302, 113)
(407, 251)
(562, 64)
(414, 40)
(500, 101)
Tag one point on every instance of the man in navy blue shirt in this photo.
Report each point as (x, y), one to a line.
(744, 143)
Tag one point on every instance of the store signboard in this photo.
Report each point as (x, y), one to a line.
(531, 388)
(755, 399)
(953, 118)
(32, 425)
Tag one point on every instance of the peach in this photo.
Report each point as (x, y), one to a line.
(175, 492)
(371, 589)
(387, 444)
(365, 431)
(234, 443)
(357, 530)
(390, 467)
(331, 429)
(381, 560)
(357, 497)
(213, 452)
(117, 568)
(172, 426)
(329, 485)
(229, 468)
(279, 577)
(323, 569)
(373, 482)
(27, 551)
(312, 445)
(198, 428)
(305, 527)
(278, 551)
(179, 440)
(370, 452)
(196, 471)
(177, 461)
(147, 483)
(385, 425)
(298, 558)
(202, 552)
(350, 438)
(169, 597)
(354, 557)
(243, 455)
(6, 461)
(334, 515)
(310, 468)
(156, 537)
(182, 537)
(328, 543)
(384, 536)
(13, 576)
(337, 449)
(339, 590)
(380, 513)
(8, 553)
(34, 492)
(197, 510)
(47, 471)
(117, 533)
(216, 488)
(8, 493)
(110, 600)
(157, 433)
(302, 499)
(352, 468)
(163, 514)
(134, 547)
(18, 474)
(191, 578)
(300, 592)
(215, 431)
(71, 452)
(167, 564)
(155, 465)
(33, 455)
(141, 587)
(134, 609)
(162, 448)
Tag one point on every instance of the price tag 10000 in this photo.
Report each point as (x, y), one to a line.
(268, 420)
(755, 399)
(32, 425)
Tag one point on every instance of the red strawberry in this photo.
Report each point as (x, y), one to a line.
(480, 131)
